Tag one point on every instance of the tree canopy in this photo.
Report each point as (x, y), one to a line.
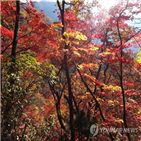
(60, 79)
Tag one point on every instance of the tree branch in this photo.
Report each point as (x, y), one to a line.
(97, 103)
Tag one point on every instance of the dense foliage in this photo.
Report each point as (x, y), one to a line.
(59, 79)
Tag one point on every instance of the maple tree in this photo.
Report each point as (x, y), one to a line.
(57, 80)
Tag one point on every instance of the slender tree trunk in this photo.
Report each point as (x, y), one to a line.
(70, 101)
(0, 79)
(67, 73)
(121, 83)
(16, 32)
(7, 114)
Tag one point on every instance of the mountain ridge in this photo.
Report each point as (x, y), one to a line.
(47, 7)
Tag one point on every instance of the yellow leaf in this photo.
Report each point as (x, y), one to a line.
(93, 48)
(80, 36)
(139, 112)
(87, 93)
(100, 99)
(25, 14)
(56, 25)
(76, 53)
(110, 102)
(139, 57)
(76, 35)
(119, 120)
(80, 66)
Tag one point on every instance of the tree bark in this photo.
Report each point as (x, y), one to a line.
(16, 32)
(6, 122)
(121, 81)
(67, 73)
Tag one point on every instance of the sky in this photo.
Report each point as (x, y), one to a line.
(107, 3)
(40, 0)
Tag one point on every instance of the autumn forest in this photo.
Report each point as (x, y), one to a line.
(59, 80)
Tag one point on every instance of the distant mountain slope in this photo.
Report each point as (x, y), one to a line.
(48, 8)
